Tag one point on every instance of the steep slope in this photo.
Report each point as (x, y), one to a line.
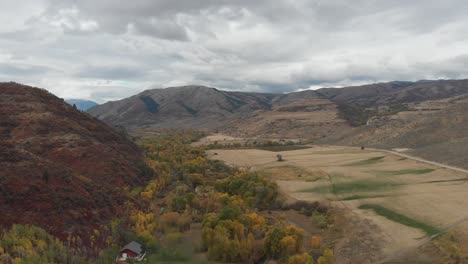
(358, 104)
(61, 169)
(323, 114)
(395, 92)
(364, 95)
(180, 107)
(289, 115)
(81, 104)
(305, 118)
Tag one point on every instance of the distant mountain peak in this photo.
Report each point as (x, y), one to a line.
(81, 104)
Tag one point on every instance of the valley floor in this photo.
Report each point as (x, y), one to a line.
(396, 203)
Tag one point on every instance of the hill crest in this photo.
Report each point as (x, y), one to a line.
(61, 166)
(296, 114)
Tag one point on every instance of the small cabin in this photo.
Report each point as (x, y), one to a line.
(132, 251)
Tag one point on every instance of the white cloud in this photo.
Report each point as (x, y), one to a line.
(102, 50)
(70, 20)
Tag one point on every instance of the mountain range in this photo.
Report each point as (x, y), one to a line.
(424, 116)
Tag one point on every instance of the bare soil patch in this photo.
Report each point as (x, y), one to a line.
(289, 172)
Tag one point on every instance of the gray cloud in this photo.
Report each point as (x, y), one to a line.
(160, 29)
(22, 70)
(110, 72)
(110, 49)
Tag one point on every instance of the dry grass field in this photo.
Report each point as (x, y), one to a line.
(406, 200)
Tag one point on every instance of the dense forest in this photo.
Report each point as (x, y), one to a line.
(193, 210)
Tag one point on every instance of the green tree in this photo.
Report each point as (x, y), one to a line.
(273, 248)
(229, 212)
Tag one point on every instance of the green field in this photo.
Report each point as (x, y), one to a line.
(359, 197)
(401, 172)
(399, 218)
(369, 161)
(354, 187)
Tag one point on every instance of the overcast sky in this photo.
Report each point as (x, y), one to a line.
(109, 49)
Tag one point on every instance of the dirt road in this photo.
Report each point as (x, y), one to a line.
(420, 160)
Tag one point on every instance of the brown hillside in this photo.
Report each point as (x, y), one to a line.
(391, 93)
(61, 169)
(308, 118)
(180, 107)
(289, 115)
(212, 109)
(435, 129)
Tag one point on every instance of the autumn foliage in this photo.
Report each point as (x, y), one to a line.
(230, 206)
(29, 244)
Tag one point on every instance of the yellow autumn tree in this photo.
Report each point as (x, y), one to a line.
(30, 244)
(256, 222)
(247, 249)
(327, 257)
(298, 234)
(144, 224)
(315, 242)
(301, 259)
(288, 245)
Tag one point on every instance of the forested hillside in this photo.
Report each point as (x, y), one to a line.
(61, 169)
(195, 209)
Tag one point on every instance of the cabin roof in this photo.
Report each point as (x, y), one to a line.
(133, 246)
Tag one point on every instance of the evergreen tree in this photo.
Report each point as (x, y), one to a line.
(45, 176)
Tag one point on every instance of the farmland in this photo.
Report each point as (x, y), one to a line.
(405, 199)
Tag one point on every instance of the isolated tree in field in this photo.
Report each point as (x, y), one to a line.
(279, 157)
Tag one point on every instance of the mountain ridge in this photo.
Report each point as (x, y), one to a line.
(60, 165)
(381, 115)
(209, 108)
